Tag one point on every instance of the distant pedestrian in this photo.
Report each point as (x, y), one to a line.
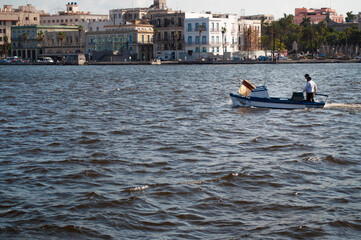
(310, 89)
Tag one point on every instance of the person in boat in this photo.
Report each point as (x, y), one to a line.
(310, 89)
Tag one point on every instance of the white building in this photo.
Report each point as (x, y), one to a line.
(249, 38)
(210, 35)
(72, 17)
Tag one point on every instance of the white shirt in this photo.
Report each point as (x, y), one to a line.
(311, 87)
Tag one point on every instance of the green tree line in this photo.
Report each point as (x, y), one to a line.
(281, 34)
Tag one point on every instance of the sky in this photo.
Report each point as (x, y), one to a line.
(273, 7)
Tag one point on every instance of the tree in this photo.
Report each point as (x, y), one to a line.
(176, 37)
(223, 31)
(25, 39)
(350, 17)
(6, 45)
(41, 38)
(249, 40)
(200, 30)
(156, 33)
(61, 37)
(80, 29)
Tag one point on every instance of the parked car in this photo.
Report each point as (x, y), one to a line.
(264, 58)
(282, 57)
(4, 61)
(358, 57)
(13, 59)
(45, 60)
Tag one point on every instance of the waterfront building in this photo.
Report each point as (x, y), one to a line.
(316, 15)
(124, 15)
(210, 35)
(34, 47)
(72, 17)
(249, 37)
(168, 35)
(21, 16)
(132, 41)
(267, 18)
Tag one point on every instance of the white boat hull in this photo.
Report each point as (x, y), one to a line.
(277, 103)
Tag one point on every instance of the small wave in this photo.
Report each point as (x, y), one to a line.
(328, 158)
(342, 105)
(347, 224)
(89, 141)
(136, 189)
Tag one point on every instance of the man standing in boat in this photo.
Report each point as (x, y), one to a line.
(310, 89)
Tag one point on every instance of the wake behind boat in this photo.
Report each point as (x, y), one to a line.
(252, 96)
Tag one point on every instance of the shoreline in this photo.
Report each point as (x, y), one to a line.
(301, 61)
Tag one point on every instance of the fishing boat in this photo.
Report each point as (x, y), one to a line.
(252, 96)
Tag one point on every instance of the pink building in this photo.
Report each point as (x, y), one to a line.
(316, 15)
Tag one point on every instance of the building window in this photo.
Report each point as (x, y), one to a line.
(190, 40)
(196, 27)
(13, 23)
(197, 49)
(204, 25)
(204, 49)
(217, 26)
(212, 26)
(35, 19)
(189, 27)
(26, 18)
(204, 39)
(197, 40)
(217, 39)
(217, 49)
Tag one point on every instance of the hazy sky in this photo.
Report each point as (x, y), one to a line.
(275, 7)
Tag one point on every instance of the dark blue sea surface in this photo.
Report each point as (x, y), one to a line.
(158, 152)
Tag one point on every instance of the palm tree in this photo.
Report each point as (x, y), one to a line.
(25, 39)
(156, 33)
(6, 45)
(41, 38)
(61, 37)
(176, 36)
(249, 39)
(200, 30)
(223, 31)
(350, 17)
(80, 29)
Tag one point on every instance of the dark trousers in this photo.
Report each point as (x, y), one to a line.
(310, 97)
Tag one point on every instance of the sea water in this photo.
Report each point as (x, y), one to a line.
(158, 152)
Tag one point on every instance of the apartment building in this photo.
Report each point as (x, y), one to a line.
(317, 15)
(168, 35)
(210, 35)
(249, 36)
(132, 41)
(33, 47)
(72, 17)
(21, 16)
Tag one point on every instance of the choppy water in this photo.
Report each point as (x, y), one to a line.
(158, 152)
